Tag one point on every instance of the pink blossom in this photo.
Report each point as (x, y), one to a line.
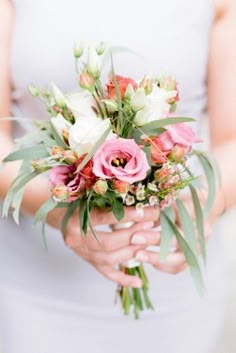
(122, 159)
(65, 175)
(180, 135)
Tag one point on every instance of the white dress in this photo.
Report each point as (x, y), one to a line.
(52, 301)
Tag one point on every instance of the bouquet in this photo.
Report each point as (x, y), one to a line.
(113, 145)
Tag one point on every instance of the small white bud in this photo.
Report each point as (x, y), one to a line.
(33, 90)
(100, 48)
(138, 100)
(111, 105)
(59, 97)
(129, 91)
(78, 49)
(93, 63)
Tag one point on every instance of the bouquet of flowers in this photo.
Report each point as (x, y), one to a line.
(114, 145)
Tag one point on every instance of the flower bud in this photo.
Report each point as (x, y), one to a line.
(40, 165)
(111, 105)
(138, 100)
(100, 48)
(129, 91)
(177, 153)
(100, 187)
(78, 49)
(57, 150)
(33, 90)
(153, 200)
(146, 84)
(152, 187)
(93, 63)
(59, 97)
(70, 156)
(61, 192)
(86, 81)
(121, 186)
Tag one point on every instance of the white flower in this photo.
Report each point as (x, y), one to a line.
(138, 100)
(93, 65)
(60, 124)
(81, 103)
(58, 96)
(157, 106)
(86, 132)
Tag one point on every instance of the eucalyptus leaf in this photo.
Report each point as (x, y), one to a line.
(41, 214)
(210, 176)
(69, 212)
(157, 124)
(167, 236)
(191, 259)
(29, 153)
(199, 220)
(187, 224)
(57, 137)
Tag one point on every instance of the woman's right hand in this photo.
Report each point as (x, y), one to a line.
(114, 247)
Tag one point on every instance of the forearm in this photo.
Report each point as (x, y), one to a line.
(226, 158)
(37, 192)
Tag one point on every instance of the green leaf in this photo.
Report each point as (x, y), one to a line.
(187, 224)
(138, 132)
(41, 214)
(70, 210)
(157, 124)
(83, 217)
(18, 196)
(30, 138)
(190, 257)
(94, 149)
(18, 183)
(90, 222)
(118, 209)
(113, 75)
(58, 138)
(29, 153)
(148, 150)
(210, 176)
(199, 220)
(167, 235)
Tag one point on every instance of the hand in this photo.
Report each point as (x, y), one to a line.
(115, 247)
(175, 261)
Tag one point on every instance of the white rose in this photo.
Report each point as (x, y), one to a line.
(156, 107)
(86, 132)
(60, 124)
(81, 103)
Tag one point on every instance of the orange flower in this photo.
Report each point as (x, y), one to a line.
(122, 83)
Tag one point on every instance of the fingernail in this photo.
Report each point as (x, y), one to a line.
(141, 257)
(138, 239)
(147, 225)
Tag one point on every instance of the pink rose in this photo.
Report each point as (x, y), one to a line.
(65, 176)
(177, 135)
(122, 159)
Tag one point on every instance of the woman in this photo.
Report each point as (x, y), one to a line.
(55, 301)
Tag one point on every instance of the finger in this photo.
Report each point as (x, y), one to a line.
(101, 258)
(108, 241)
(120, 277)
(118, 239)
(131, 214)
(174, 263)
